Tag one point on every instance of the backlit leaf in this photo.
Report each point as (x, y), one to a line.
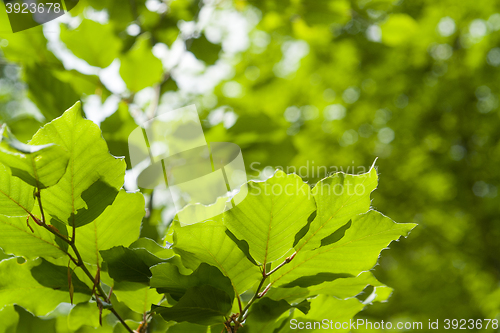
(93, 175)
(208, 242)
(270, 216)
(40, 166)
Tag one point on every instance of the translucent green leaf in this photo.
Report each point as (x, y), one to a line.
(8, 319)
(118, 225)
(40, 166)
(92, 176)
(203, 305)
(339, 287)
(105, 45)
(152, 247)
(16, 197)
(37, 285)
(29, 323)
(355, 252)
(327, 308)
(339, 198)
(136, 296)
(18, 239)
(82, 314)
(23, 46)
(167, 279)
(208, 242)
(139, 67)
(270, 216)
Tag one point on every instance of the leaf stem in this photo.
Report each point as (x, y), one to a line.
(78, 261)
(121, 320)
(258, 294)
(39, 197)
(287, 260)
(244, 313)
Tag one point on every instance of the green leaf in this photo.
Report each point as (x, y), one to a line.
(341, 288)
(92, 174)
(16, 197)
(139, 67)
(23, 47)
(132, 265)
(37, 285)
(82, 314)
(136, 296)
(29, 323)
(208, 242)
(270, 216)
(167, 279)
(264, 314)
(357, 251)
(118, 225)
(339, 198)
(40, 166)
(8, 319)
(18, 239)
(152, 247)
(42, 82)
(204, 305)
(105, 45)
(323, 307)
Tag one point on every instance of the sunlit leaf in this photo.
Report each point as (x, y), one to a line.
(118, 225)
(93, 175)
(16, 197)
(339, 198)
(355, 252)
(105, 45)
(139, 67)
(40, 166)
(208, 242)
(29, 283)
(270, 216)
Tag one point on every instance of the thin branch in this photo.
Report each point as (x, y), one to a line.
(287, 260)
(239, 303)
(243, 313)
(258, 294)
(79, 260)
(39, 197)
(121, 320)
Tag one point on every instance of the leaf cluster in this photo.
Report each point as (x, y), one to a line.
(287, 251)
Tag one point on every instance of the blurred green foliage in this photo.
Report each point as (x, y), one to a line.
(323, 85)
